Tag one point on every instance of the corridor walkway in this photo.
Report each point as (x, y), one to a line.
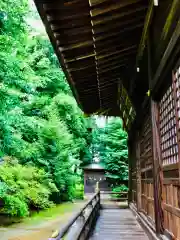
(118, 224)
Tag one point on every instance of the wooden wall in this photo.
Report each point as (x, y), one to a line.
(143, 168)
(170, 147)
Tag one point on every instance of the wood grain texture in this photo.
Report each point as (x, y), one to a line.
(118, 224)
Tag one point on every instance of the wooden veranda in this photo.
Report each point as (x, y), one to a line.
(122, 58)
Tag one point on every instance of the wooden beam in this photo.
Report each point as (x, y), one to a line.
(169, 24)
(86, 78)
(67, 60)
(64, 41)
(81, 68)
(82, 30)
(145, 31)
(110, 76)
(116, 52)
(94, 87)
(109, 27)
(119, 40)
(115, 57)
(65, 25)
(112, 34)
(114, 48)
(103, 83)
(76, 45)
(60, 56)
(109, 61)
(96, 2)
(62, 5)
(142, 44)
(112, 64)
(112, 7)
(171, 45)
(116, 16)
(107, 97)
(110, 69)
(56, 17)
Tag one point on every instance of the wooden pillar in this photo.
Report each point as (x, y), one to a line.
(157, 160)
(157, 168)
(138, 174)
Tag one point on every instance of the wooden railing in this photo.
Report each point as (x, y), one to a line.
(81, 225)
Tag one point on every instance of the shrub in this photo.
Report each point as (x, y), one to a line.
(122, 188)
(23, 188)
(79, 191)
(14, 206)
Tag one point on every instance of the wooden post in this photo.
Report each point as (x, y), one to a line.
(138, 176)
(157, 169)
(157, 161)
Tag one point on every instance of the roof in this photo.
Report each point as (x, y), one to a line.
(94, 166)
(98, 43)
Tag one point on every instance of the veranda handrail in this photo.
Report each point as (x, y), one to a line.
(80, 213)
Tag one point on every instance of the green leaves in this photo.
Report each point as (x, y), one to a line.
(22, 187)
(41, 125)
(110, 143)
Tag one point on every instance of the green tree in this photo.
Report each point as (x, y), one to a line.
(110, 143)
(40, 123)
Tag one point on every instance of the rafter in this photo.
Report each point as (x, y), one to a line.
(116, 16)
(117, 25)
(96, 2)
(123, 3)
(81, 68)
(62, 5)
(120, 57)
(112, 34)
(76, 45)
(119, 40)
(80, 57)
(71, 32)
(110, 69)
(113, 48)
(116, 52)
(61, 18)
(112, 64)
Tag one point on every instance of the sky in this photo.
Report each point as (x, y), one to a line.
(100, 121)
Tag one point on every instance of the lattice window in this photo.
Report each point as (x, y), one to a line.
(126, 107)
(168, 132)
(146, 145)
(177, 89)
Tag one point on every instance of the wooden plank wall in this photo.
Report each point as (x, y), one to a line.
(170, 147)
(134, 180)
(147, 195)
(169, 131)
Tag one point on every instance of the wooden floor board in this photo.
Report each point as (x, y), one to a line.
(117, 224)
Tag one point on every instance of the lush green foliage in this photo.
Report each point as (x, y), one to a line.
(23, 187)
(44, 136)
(40, 123)
(110, 144)
(119, 190)
(79, 191)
